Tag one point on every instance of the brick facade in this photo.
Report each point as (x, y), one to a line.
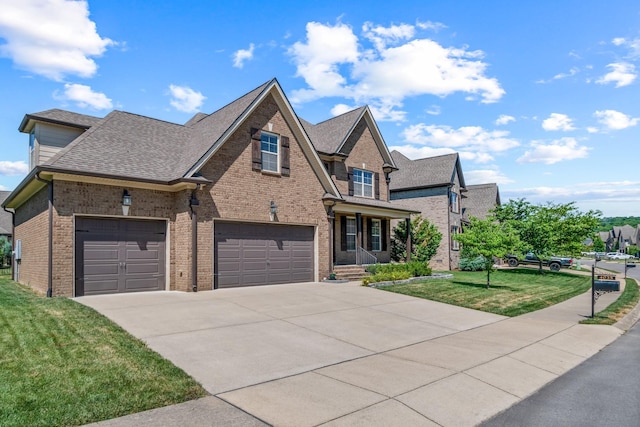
(32, 228)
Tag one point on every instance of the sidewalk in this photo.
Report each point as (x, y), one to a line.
(461, 378)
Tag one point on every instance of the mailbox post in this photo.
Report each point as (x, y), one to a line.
(600, 285)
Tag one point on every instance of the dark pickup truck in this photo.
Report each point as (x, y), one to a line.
(555, 263)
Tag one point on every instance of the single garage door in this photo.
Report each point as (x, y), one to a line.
(262, 254)
(119, 255)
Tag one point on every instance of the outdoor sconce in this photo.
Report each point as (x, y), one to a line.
(273, 210)
(126, 202)
(193, 201)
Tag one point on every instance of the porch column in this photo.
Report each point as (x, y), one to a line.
(331, 217)
(358, 237)
(407, 222)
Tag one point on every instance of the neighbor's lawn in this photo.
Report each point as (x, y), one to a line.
(61, 363)
(512, 292)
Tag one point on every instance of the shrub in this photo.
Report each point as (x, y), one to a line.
(472, 263)
(393, 272)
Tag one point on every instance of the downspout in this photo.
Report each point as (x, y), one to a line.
(194, 241)
(13, 238)
(50, 267)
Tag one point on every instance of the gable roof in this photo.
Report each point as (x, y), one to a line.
(625, 232)
(424, 173)
(132, 147)
(330, 136)
(480, 199)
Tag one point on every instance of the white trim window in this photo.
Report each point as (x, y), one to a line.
(454, 202)
(455, 245)
(362, 183)
(376, 241)
(351, 234)
(269, 149)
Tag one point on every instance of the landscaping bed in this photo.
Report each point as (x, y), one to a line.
(61, 363)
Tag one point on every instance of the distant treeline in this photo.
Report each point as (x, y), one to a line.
(608, 223)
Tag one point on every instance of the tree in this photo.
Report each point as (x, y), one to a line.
(425, 239)
(489, 239)
(549, 229)
(598, 244)
(5, 250)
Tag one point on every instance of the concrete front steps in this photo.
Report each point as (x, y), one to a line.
(350, 272)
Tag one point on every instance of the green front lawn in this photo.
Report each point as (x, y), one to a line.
(61, 363)
(512, 292)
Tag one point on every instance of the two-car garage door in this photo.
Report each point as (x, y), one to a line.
(119, 255)
(127, 255)
(248, 254)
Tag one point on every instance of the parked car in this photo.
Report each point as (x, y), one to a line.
(555, 263)
(618, 255)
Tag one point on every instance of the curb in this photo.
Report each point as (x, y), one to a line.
(631, 318)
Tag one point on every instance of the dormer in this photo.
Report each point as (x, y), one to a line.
(52, 130)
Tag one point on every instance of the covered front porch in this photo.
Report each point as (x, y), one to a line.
(360, 231)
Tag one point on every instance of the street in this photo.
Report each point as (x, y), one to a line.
(602, 391)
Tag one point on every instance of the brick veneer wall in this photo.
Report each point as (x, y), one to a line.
(349, 257)
(433, 203)
(362, 149)
(239, 193)
(32, 228)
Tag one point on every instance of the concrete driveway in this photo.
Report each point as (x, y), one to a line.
(342, 354)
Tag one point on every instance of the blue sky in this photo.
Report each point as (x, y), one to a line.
(540, 97)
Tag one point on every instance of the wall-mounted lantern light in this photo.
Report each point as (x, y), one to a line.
(126, 202)
(193, 201)
(273, 210)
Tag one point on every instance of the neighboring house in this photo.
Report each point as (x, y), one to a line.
(6, 225)
(624, 236)
(480, 200)
(607, 238)
(238, 197)
(434, 186)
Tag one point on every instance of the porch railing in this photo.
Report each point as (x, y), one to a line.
(365, 258)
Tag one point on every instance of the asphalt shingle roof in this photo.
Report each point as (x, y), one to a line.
(480, 199)
(129, 145)
(427, 172)
(64, 117)
(328, 136)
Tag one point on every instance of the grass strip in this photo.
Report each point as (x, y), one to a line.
(619, 308)
(63, 364)
(512, 292)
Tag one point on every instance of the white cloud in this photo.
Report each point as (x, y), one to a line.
(633, 45)
(242, 55)
(588, 195)
(476, 156)
(335, 62)
(504, 119)
(622, 74)
(554, 152)
(84, 97)
(413, 152)
(557, 121)
(592, 129)
(18, 168)
(483, 176)
(572, 72)
(340, 109)
(52, 38)
(466, 138)
(382, 36)
(615, 120)
(429, 25)
(434, 110)
(186, 99)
